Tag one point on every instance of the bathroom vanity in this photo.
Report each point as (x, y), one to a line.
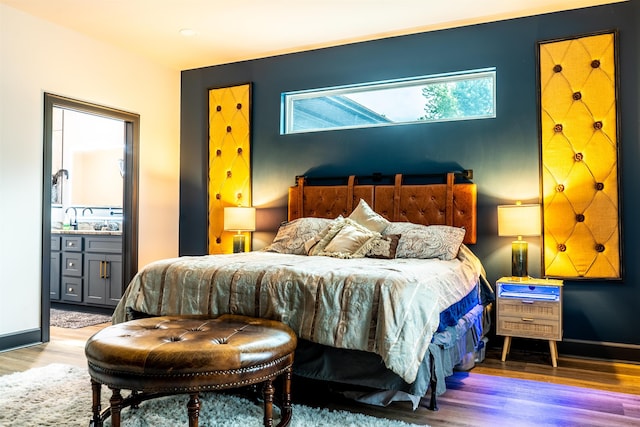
(86, 267)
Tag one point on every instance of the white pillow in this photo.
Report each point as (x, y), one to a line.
(351, 241)
(364, 215)
(317, 243)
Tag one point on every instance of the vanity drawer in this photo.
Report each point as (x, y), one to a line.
(106, 244)
(72, 289)
(72, 243)
(71, 264)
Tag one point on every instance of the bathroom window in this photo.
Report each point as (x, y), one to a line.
(444, 97)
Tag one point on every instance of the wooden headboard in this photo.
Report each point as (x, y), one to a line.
(447, 203)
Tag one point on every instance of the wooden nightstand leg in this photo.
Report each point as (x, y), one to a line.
(554, 353)
(505, 347)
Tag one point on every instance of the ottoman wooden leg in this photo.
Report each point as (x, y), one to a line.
(193, 408)
(134, 396)
(267, 392)
(286, 399)
(116, 407)
(96, 407)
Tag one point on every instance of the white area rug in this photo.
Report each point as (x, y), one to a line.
(60, 395)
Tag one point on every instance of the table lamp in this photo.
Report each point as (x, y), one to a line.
(519, 220)
(239, 219)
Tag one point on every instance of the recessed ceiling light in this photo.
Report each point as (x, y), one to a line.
(187, 32)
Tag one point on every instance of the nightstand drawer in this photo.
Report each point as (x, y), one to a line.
(529, 327)
(529, 308)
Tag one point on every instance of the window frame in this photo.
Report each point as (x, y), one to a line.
(288, 99)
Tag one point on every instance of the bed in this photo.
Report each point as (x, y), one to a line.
(374, 275)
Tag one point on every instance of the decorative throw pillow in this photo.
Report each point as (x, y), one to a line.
(352, 240)
(384, 247)
(364, 215)
(312, 245)
(292, 235)
(427, 241)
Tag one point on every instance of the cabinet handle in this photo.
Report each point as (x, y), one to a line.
(528, 301)
(527, 319)
(70, 264)
(104, 274)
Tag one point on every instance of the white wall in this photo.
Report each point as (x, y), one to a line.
(36, 57)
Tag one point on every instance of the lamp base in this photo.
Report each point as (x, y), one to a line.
(519, 260)
(238, 243)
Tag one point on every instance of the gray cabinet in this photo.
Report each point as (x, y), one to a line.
(71, 269)
(54, 280)
(89, 269)
(103, 278)
(103, 270)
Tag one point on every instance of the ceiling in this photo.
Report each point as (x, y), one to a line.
(229, 31)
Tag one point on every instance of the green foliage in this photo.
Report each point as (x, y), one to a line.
(439, 102)
(457, 99)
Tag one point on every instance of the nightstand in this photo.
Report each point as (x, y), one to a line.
(529, 308)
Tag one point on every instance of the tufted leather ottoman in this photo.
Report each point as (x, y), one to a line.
(159, 356)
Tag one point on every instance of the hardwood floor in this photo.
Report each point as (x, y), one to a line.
(524, 391)
(66, 346)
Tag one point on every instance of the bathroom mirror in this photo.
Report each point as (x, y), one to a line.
(87, 159)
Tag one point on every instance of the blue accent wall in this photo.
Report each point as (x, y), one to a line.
(503, 152)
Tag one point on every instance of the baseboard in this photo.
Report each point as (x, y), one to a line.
(600, 350)
(20, 339)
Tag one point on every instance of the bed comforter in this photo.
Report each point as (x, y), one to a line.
(389, 307)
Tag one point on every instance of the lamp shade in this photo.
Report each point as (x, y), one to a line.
(240, 219)
(519, 220)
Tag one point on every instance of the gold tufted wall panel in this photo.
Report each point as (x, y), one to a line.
(229, 160)
(579, 157)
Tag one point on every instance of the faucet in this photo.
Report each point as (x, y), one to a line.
(87, 209)
(74, 223)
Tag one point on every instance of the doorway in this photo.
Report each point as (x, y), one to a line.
(66, 192)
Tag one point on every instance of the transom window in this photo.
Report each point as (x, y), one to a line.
(453, 96)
